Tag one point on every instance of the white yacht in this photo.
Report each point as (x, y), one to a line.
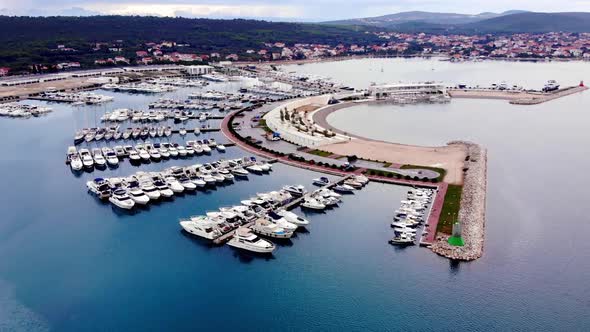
(138, 196)
(403, 239)
(150, 190)
(551, 85)
(99, 187)
(163, 188)
(99, 160)
(343, 188)
(121, 199)
(174, 184)
(240, 172)
(245, 239)
(220, 147)
(293, 218)
(321, 181)
(267, 228)
(181, 151)
(187, 184)
(295, 190)
(201, 226)
(86, 157)
(110, 156)
(143, 154)
(313, 204)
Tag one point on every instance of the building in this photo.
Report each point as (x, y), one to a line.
(404, 89)
(4, 71)
(199, 70)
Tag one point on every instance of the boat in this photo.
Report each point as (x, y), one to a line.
(100, 187)
(138, 196)
(76, 163)
(297, 191)
(220, 147)
(174, 184)
(267, 228)
(127, 133)
(120, 199)
(143, 154)
(343, 188)
(293, 218)
(321, 181)
(312, 203)
(201, 226)
(352, 183)
(403, 239)
(110, 156)
(246, 240)
(281, 222)
(79, 137)
(197, 130)
(187, 183)
(239, 172)
(163, 188)
(551, 85)
(168, 131)
(99, 159)
(150, 190)
(182, 131)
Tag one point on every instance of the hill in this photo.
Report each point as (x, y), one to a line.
(26, 40)
(399, 19)
(532, 23)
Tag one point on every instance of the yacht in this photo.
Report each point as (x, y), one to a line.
(163, 188)
(76, 163)
(205, 148)
(86, 157)
(220, 147)
(240, 172)
(79, 137)
(343, 188)
(201, 226)
(245, 239)
(164, 152)
(134, 156)
(173, 152)
(403, 239)
(182, 131)
(322, 181)
(121, 199)
(100, 187)
(168, 131)
(197, 130)
(313, 204)
(181, 151)
(187, 183)
(361, 178)
(353, 183)
(110, 156)
(551, 85)
(296, 191)
(138, 196)
(267, 228)
(293, 218)
(127, 133)
(143, 154)
(198, 181)
(281, 222)
(226, 174)
(99, 160)
(150, 190)
(174, 184)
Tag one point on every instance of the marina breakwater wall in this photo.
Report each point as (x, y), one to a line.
(473, 208)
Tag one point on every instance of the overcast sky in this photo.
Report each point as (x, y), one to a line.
(287, 10)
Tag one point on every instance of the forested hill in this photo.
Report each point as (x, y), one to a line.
(206, 32)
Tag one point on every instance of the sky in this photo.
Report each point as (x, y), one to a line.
(282, 10)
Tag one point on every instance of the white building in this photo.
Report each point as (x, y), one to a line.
(403, 89)
(199, 70)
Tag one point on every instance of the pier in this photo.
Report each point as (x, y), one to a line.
(290, 205)
(516, 97)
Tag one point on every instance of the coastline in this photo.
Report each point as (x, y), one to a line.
(473, 208)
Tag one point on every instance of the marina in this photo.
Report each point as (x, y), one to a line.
(16, 110)
(77, 98)
(82, 237)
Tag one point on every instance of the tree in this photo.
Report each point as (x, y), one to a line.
(282, 116)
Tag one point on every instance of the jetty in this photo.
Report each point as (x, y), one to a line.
(288, 206)
(516, 97)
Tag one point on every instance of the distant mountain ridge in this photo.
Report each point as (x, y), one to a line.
(425, 17)
(513, 21)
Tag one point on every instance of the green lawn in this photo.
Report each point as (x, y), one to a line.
(440, 171)
(262, 124)
(320, 153)
(450, 209)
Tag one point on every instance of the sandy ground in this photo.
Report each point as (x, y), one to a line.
(449, 157)
(521, 97)
(25, 90)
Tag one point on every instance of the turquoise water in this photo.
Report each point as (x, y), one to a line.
(72, 263)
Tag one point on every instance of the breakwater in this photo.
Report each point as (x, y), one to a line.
(473, 208)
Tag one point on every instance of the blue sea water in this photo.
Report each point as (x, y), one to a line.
(71, 263)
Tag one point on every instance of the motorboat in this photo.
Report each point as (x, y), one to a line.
(187, 183)
(293, 218)
(226, 174)
(181, 151)
(164, 152)
(295, 190)
(163, 188)
(312, 203)
(174, 184)
(403, 239)
(76, 163)
(99, 159)
(168, 131)
(190, 151)
(197, 130)
(343, 188)
(198, 181)
(267, 228)
(239, 172)
(202, 227)
(120, 199)
(173, 152)
(182, 131)
(100, 187)
(138, 196)
(281, 222)
(143, 154)
(352, 183)
(150, 190)
(79, 136)
(119, 151)
(361, 178)
(127, 133)
(321, 181)
(134, 156)
(220, 147)
(551, 85)
(245, 239)
(86, 157)
(110, 156)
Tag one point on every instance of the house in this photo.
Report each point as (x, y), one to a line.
(233, 57)
(141, 54)
(4, 71)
